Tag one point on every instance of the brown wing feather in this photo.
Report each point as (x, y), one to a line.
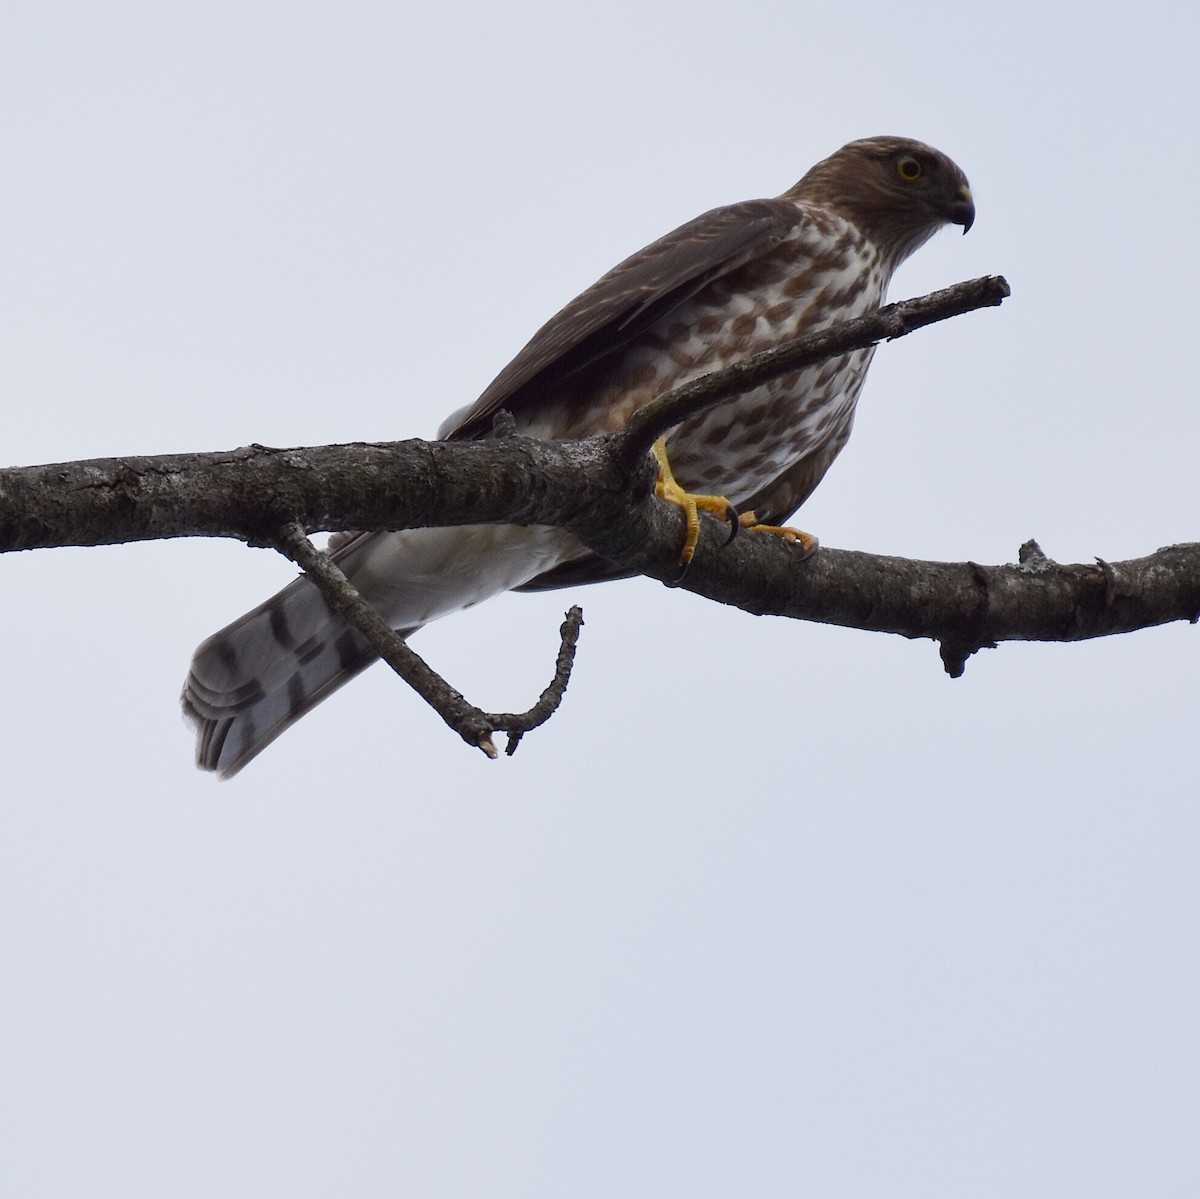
(632, 296)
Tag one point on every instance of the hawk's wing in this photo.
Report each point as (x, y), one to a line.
(626, 301)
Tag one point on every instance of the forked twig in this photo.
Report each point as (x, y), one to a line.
(471, 723)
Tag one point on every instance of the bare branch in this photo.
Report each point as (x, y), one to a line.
(963, 606)
(471, 723)
(601, 490)
(467, 720)
(888, 323)
(517, 724)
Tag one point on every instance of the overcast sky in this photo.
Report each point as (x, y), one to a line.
(768, 909)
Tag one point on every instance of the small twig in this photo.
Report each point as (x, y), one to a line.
(471, 723)
(464, 718)
(516, 725)
(889, 323)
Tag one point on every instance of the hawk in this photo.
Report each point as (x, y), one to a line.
(720, 288)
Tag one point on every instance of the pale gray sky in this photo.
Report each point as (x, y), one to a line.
(769, 909)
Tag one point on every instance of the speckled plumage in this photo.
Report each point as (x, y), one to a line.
(718, 289)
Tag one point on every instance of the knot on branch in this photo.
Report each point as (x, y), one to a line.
(1032, 559)
(504, 425)
(954, 655)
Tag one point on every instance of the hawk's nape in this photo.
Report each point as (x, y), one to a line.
(719, 289)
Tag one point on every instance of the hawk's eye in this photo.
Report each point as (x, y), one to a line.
(908, 168)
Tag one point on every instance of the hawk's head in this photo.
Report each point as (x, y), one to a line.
(899, 192)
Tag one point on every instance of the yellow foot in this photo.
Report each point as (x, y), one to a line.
(668, 489)
(807, 542)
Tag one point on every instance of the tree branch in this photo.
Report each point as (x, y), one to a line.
(964, 606)
(601, 490)
(516, 725)
(471, 723)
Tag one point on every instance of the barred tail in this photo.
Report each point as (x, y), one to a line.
(259, 675)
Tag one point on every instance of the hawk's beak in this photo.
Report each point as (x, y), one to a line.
(962, 209)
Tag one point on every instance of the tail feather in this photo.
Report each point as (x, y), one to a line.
(255, 678)
(258, 676)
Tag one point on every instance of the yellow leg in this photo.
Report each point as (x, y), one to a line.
(668, 489)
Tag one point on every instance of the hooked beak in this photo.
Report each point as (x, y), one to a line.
(962, 209)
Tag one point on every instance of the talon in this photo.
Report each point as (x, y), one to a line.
(666, 488)
(735, 522)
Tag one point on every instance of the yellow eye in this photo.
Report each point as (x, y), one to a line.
(908, 168)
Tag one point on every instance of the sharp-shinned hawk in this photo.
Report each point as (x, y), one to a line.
(720, 288)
